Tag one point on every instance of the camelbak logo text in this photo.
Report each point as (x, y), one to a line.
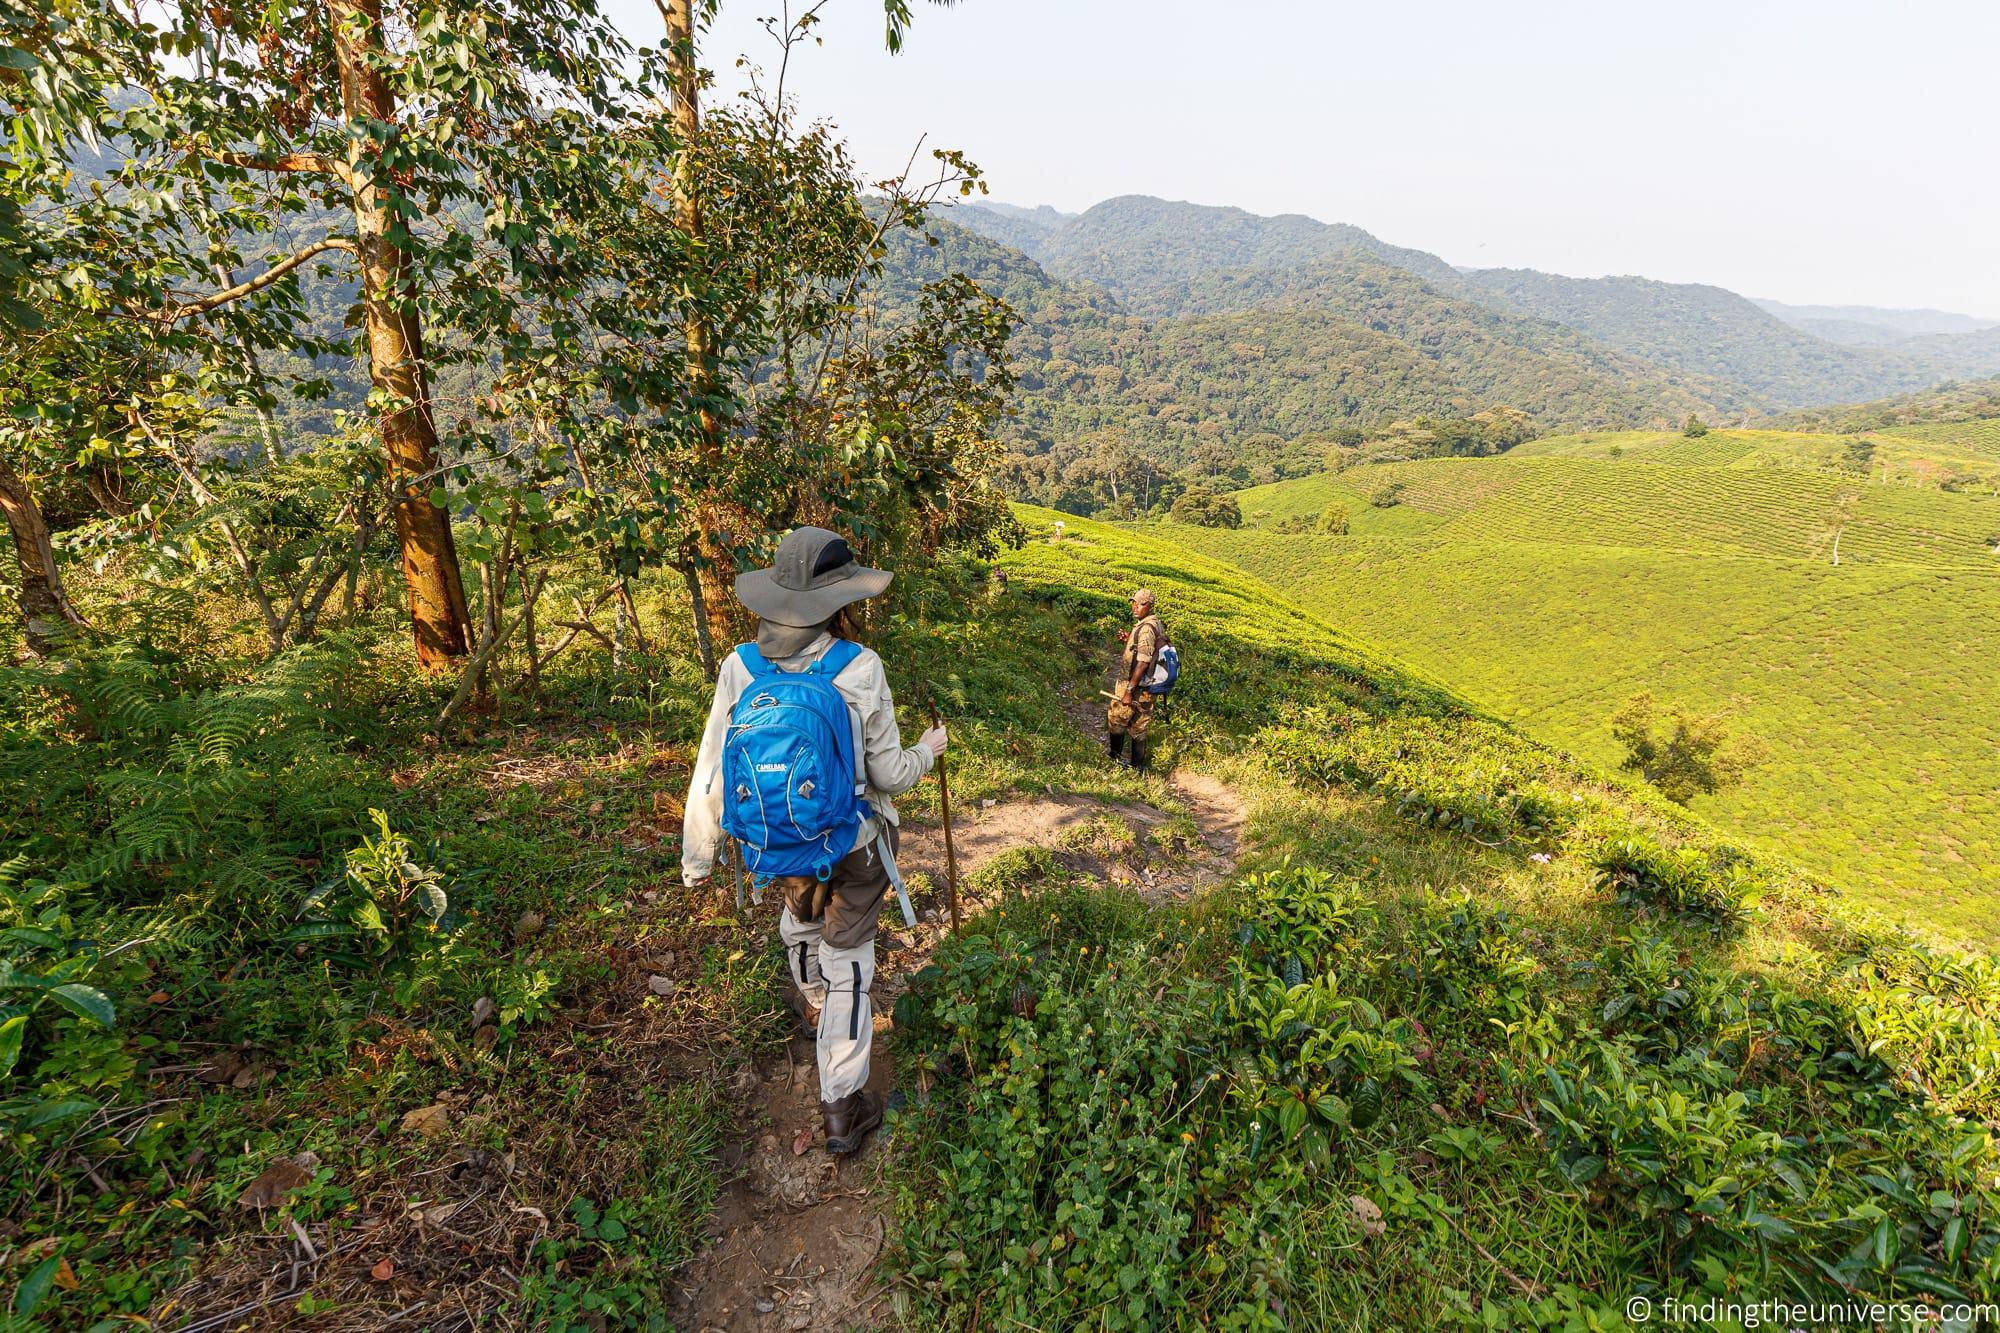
(770, 768)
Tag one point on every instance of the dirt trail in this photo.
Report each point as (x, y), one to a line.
(796, 1233)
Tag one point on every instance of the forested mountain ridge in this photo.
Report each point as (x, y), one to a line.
(1709, 330)
(1474, 339)
(1693, 327)
(1264, 367)
(1945, 404)
(1136, 244)
(1026, 229)
(1153, 253)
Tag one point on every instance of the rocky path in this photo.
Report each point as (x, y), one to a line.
(797, 1234)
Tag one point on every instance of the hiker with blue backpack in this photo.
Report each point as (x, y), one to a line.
(798, 763)
(1147, 668)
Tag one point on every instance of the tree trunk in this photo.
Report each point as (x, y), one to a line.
(713, 519)
(409, 439)
(44, 604)
(704, 644)
(267, 424)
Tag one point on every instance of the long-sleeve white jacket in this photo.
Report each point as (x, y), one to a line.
(891, 770)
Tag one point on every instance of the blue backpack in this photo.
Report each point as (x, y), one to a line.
(792, 781)
(1165, 672)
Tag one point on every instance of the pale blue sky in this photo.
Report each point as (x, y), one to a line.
(1827, 151)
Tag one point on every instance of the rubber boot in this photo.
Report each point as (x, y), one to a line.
(1141, 760)
(849, 1120)
(1116, 746)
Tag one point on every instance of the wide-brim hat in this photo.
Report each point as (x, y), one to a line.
(813, 575)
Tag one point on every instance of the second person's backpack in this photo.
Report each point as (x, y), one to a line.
(792, 793)
(1165, 672)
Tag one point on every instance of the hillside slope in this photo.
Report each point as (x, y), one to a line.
(1429, 1067)
(1554, 583)
(1699, 329)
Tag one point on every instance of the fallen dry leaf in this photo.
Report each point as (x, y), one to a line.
(527, 926)
(802, 1141)
(222, 1067)
(383, 1271)
(1367, 1214)
(37, 1250)
(158, 997)
(662, 985)
(482, 1009)
(65, 1276)
(429, 1121)
(483, 1039)
(271, 1188)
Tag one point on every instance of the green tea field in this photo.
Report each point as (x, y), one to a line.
(1554, 583)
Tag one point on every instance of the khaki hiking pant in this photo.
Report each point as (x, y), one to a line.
(832, 961)
(1134, 716)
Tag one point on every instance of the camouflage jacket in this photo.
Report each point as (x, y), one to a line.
(1142, 649)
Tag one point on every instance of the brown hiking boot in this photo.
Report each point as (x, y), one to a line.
(849, 1120)
(807, 1011)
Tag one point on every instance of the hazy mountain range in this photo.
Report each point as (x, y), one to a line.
(1872, 326)
(1165, 260)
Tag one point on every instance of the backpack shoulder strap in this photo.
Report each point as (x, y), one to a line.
(755, 662)
(836, 659)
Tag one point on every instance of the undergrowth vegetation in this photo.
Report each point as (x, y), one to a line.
(277, 951)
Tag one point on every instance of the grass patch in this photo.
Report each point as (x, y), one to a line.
(1590, 577)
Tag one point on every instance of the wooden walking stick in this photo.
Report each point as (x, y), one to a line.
(950, 851)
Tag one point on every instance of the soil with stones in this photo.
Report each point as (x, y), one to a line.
(797, 1233)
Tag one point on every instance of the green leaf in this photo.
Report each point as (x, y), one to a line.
(316, 930)
(11, 1033)
(1583, 1170)
(47, 1113)
(86, 1001)
(34, 1289)
(13, 57)
(433, 900)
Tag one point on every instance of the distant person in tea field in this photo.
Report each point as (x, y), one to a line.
(799, 759)
(1147, 669)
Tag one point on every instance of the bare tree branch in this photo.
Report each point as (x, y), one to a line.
(245, 288)
(313, 163)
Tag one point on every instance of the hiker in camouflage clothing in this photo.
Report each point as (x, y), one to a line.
(1130, 715)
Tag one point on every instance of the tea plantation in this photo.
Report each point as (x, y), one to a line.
(1557, 581)
(1484, 1040)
